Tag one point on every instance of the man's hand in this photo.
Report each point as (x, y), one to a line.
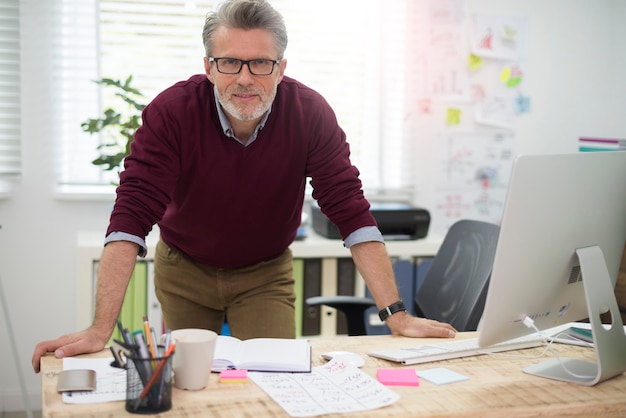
(116, 266)
(88, 341)
(404, 324)
(373, 263)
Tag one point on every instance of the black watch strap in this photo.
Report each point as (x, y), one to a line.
(391, 309)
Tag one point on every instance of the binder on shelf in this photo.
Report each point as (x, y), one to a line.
(135, 305)
(328, 315)
(153, 309)
(346, 275)
(298, 275)
(311, 286)
(422, 265)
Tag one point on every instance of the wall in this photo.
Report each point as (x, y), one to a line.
(578, 60)
(576, 50)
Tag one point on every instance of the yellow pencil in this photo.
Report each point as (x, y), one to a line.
(149, 338)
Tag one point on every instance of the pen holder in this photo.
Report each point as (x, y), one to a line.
(149, 384)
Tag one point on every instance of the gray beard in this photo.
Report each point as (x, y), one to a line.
(243, 115)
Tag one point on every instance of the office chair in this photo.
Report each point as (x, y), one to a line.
(454, 288)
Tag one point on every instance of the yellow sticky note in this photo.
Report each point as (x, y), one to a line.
(505, 74)
(474, 62)
(511, 76)
(453, 116)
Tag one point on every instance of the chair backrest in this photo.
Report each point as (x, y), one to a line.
(455, 287)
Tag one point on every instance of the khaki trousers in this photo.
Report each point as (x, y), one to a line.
(257, 300)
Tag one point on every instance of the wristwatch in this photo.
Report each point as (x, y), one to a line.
(391, 309)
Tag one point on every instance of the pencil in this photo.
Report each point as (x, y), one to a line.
(149, 338)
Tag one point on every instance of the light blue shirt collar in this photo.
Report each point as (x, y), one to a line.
(227, 127)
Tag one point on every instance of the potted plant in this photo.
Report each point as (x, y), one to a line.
(117, 126)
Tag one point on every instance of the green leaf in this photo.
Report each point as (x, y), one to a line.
(120, 123)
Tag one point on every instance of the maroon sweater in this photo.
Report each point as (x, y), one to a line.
(227, 205)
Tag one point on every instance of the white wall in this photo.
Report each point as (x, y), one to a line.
(578, 62)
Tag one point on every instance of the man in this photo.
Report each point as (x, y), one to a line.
(220, 164)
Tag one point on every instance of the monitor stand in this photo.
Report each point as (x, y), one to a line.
(609, 339)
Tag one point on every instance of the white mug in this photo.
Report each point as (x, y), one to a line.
(193, 357)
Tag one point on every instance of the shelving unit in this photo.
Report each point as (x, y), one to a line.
(321, 267)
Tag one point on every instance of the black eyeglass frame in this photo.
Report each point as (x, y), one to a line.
(241, 64)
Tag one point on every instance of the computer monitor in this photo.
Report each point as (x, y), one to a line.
(561, 242)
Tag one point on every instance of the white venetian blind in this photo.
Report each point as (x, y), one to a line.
(158, 42)
(351, 51)
(10, 163)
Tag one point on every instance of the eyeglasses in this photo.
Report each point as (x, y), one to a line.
(233, 65)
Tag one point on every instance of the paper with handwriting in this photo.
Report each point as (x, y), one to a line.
(110, 381)
(331, 388)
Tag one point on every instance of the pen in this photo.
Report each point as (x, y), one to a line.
(168, 340)
(154, 342)
(142, 353)
(128, 337)
(155, 376)
(141, 345)
(120, 327)
(125, 333)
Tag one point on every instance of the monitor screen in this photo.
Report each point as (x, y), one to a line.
(559, 209)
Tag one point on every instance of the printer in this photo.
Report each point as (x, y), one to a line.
(396, 221)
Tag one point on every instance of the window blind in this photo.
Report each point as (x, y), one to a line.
(158, 42)
(9, 88)
(352, 52)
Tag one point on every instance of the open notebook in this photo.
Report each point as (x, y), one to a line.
(262, 354)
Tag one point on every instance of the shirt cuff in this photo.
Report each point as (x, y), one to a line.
(123, 236)
(364, 234)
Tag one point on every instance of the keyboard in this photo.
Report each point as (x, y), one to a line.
(451, 349)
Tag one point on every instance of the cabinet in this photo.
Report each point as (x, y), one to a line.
(321, 267)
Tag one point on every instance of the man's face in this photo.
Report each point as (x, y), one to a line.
(244, 96)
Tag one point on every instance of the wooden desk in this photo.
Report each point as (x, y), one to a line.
(497, 387)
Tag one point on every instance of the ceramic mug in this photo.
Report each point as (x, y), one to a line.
(194, 357)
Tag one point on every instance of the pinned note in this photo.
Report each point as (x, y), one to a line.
(453, 116)
(509, 33)
(522, 104)
(474, 62)
(511, 76)
(425, 106)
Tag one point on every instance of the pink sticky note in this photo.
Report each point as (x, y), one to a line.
(233, 375)
(397, 377)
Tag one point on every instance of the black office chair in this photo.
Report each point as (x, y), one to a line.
(454, 288)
